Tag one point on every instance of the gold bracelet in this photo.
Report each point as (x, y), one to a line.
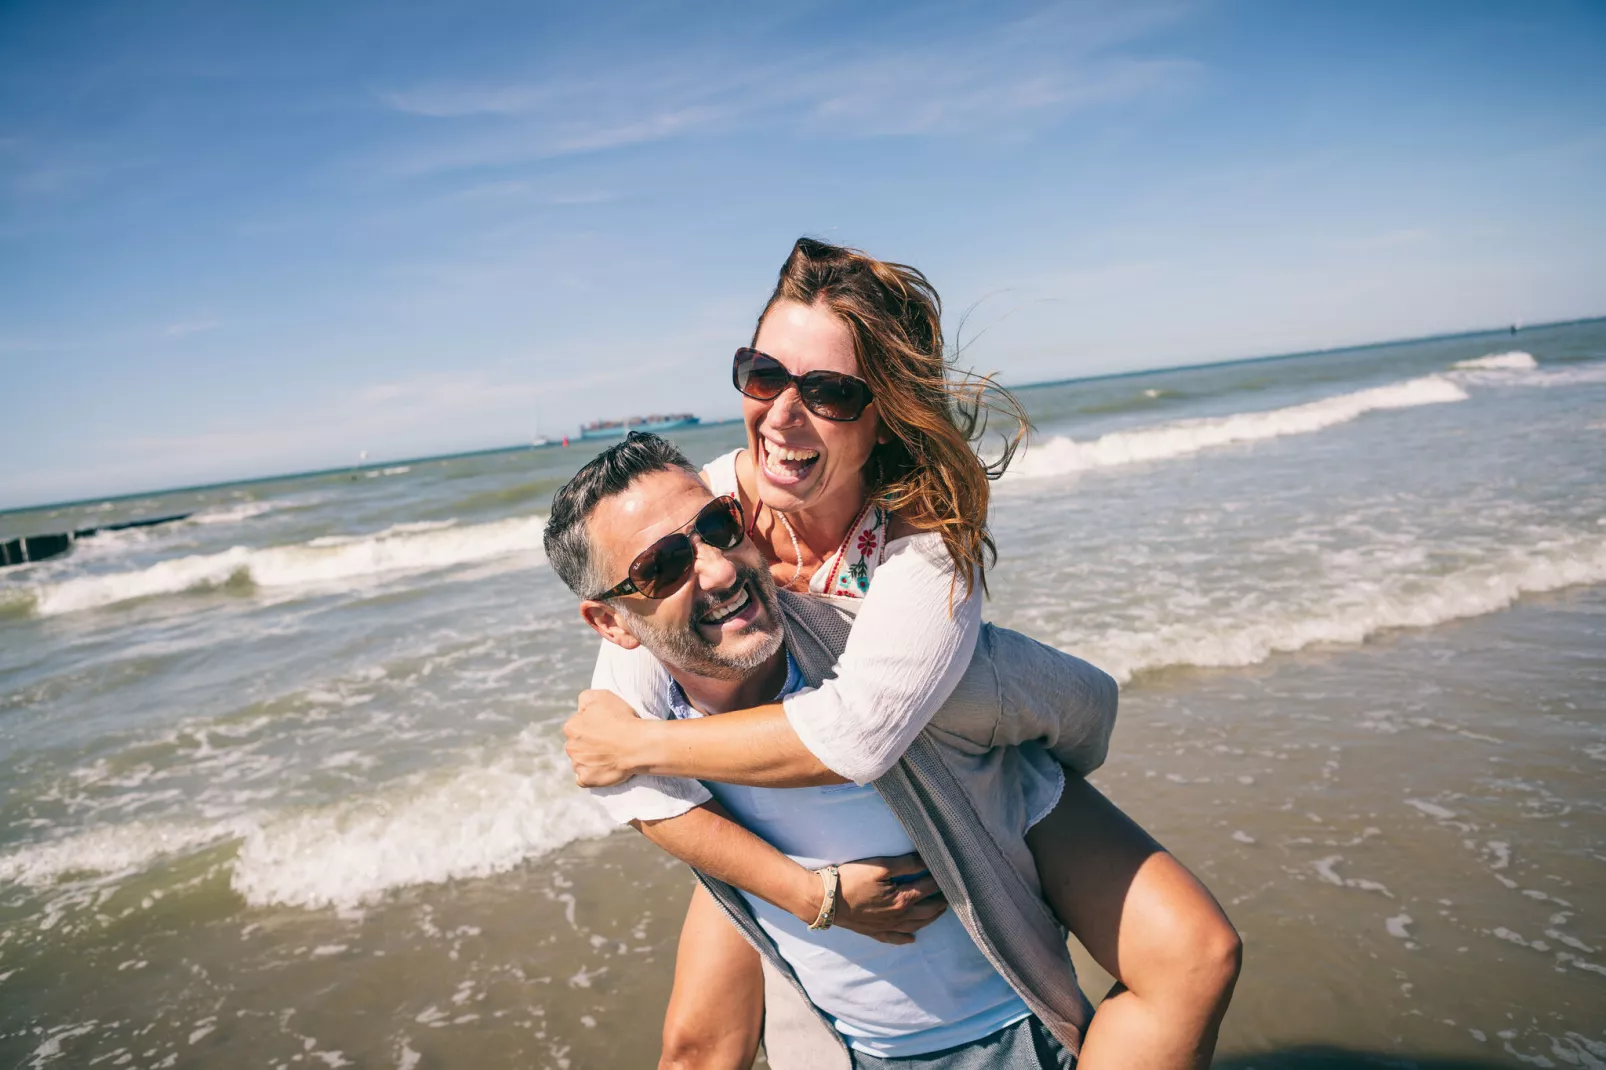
(828, 875)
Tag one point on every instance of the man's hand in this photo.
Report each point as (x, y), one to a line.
(882, 898)
(600, 735)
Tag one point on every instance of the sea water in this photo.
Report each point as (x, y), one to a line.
(284, 781)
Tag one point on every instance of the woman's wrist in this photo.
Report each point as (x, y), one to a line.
(643, 749)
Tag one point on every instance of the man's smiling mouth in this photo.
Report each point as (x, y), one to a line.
(727, 609)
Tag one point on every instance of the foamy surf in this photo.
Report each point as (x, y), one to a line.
(403, 548)
(473, 822)
(480, 818)
(111, 851)
(1515, 361)
(1360, 612)
(1062, 456)
(232, 514)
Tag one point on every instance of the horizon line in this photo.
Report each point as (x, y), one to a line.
(490, 450)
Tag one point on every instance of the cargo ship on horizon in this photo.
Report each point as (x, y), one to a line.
(656, 423)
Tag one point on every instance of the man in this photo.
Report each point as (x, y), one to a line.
(991, 979)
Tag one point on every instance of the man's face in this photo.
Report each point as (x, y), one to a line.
(724, 621)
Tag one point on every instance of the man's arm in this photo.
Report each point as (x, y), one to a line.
(872, 899)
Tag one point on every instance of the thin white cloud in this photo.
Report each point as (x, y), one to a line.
(185, 328)
(1062, 59)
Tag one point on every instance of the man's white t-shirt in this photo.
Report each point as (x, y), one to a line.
(887, 1000)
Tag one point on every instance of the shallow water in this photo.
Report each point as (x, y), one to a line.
(284, 782)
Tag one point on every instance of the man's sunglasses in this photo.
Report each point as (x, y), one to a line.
(662, 567)
(829, 394)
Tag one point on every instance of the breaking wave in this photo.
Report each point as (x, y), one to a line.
(403, 548)
(1061, 455)
(478, 819)
(110, 851)
(1515, 361)
(232, 514)
(1348, 615)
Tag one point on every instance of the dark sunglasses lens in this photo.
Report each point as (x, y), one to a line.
(720, 524)
(836, 397)
(759, 376)
(663, 565)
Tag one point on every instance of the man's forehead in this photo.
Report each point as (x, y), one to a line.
(651, 507)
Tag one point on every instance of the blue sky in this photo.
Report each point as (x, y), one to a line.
(238, 239)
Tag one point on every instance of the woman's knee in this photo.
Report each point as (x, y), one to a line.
(1204, 960)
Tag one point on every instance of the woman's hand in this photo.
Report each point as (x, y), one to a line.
(882, 898)
(601, 735)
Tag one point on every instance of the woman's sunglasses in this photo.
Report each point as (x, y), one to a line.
(662, 567)
(831, 395)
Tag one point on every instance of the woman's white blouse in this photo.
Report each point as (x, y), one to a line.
(904, 657)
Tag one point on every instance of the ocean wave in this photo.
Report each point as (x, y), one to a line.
(1515, 361)
(479, 820)
(1061, 455)
(111, 851)
(404, 548)
(232, 514)
(483, 817)
(1349, 615)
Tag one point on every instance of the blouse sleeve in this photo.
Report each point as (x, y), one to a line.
(636, 677)
(904, 657)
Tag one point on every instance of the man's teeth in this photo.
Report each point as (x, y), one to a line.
(735, 605)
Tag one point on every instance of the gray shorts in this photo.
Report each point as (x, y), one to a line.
(1026, 1045)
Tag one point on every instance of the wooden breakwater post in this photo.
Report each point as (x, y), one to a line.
(30, 548)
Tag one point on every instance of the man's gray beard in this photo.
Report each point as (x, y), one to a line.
(686, 649)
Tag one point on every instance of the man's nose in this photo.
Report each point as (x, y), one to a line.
(715, 571)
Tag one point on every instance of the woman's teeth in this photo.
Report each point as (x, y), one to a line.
(788, 462)
(734, 606)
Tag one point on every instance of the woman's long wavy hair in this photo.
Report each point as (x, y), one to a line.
(929, 473)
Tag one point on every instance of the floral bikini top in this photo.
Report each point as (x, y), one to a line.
(845, 575)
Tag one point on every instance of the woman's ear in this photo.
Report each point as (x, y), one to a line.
(883, 434)
(608, 622)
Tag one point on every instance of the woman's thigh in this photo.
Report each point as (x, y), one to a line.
(1136, 909)
(716, 1010)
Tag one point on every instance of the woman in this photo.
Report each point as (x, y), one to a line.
(864, 489)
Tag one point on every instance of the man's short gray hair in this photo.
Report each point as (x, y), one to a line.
(567, 537)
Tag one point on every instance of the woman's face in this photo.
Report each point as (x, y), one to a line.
(805, 461)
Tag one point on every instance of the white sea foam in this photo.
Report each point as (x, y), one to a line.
(484, 817)
(336, 560)
(232, 514)
(1061, 455)
(1515, 361)
(110, 850)
(476, 821)
(1349, 615)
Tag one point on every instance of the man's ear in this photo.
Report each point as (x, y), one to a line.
(607, 622)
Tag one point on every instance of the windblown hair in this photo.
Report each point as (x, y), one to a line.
(567, 537)
(930, 473)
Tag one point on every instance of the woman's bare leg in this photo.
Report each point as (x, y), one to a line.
(1146, 920)
(717, 1007)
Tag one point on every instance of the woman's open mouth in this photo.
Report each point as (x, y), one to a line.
(784, 466)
